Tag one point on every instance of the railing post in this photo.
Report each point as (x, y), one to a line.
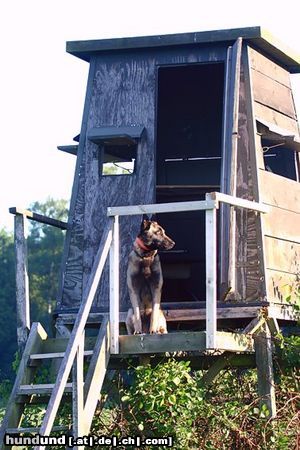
(22, 283)
(211, 277)
(114, 288)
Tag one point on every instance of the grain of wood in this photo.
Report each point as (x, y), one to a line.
(275, 95)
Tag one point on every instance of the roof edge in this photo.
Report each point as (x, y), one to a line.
(260, 37)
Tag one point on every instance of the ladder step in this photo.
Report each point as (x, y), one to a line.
(55, 355)
(34, 430)
(31, 389)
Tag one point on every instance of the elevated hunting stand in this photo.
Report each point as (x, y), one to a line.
(200, 129)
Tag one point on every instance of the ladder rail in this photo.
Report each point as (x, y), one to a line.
(13, 413)
(76, 335)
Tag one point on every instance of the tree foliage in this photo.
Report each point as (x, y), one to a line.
(8, 343)
(45, 245)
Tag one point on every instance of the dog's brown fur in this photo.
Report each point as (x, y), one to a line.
(145, 280)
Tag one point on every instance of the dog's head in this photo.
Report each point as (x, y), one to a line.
(154, 236)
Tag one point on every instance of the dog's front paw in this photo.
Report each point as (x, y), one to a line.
(137, 329)
(160, 330)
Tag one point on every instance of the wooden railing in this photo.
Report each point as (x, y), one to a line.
(210, 206)
(73, 356)
(111, 245)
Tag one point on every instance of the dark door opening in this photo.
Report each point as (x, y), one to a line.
(189, 143)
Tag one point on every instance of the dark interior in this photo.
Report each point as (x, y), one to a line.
(189, 136)
(280, 160)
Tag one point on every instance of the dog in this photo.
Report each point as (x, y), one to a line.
(145, 280)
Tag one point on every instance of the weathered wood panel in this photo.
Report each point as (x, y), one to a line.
(264, 65)
(70, 289)
(249, 267)
(281, 286)
(282, 255)
(273, 94)
(282, 224)
(123, 95)
(270, 115)
(279, 191)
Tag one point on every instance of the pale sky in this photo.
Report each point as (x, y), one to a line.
(42, 87)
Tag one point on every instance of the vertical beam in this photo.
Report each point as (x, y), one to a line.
(114, 288)
(229, 168)
(265, 374)
(236, 69)
(22, 284)
(77, 394)
(211, 276)
(96, 374)
(254, 149)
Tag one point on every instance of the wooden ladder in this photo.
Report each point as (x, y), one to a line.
(85, 392)
(39, 348)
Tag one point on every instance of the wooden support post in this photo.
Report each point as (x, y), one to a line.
(22, 284)
(114, 288)
(96, 374)
(211, 277)
(221, 363)
(265, 375)
(77, 394)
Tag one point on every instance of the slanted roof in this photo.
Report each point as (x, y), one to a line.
(260, 38)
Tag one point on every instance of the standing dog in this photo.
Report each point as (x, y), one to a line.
(145, 280)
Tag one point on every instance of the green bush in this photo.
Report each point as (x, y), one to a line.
(164, 401)
(170, 400)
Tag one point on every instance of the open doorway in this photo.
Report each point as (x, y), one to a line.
(188, 164)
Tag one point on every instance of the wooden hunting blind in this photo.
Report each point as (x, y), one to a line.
(200, 128)
(169, 119)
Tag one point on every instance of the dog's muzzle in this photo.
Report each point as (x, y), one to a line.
(168, 244)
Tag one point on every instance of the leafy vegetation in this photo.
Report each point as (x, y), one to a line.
(170, 400)
(44, 258)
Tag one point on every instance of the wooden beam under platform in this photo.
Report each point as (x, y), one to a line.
(183, 341)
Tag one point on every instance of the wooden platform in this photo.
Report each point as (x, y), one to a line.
(196, 311)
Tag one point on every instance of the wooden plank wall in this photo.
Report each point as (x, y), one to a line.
(282, 233)
(273, 102)
(272, 92)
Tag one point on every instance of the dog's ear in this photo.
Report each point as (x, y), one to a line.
(153, 218)
(145, 225)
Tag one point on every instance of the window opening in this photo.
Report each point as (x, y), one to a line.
(280, 150)
(118, 159)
